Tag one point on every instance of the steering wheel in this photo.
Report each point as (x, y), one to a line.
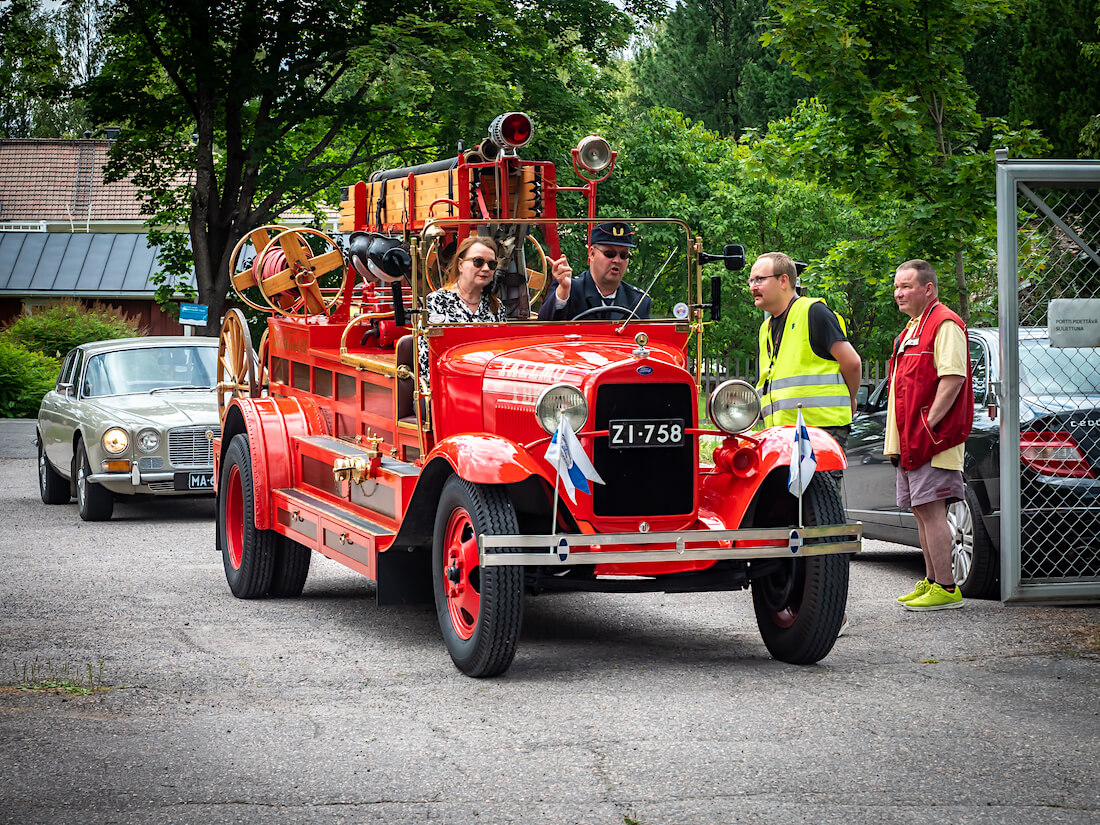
(537, 279)
(624, 311)
(236, 362)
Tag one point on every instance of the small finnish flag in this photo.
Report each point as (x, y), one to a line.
(567, 456)
(803, 460)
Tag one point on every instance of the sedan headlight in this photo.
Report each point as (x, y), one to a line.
(559, 400)
(116, 440)
(148, 440)
(734, 406)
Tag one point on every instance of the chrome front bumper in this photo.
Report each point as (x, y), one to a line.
(558, 550)
(136, 477)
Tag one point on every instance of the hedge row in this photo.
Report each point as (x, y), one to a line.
(32, 346)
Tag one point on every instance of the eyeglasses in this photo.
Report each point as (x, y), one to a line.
(479, 262)
(612, 254)
(759, 280)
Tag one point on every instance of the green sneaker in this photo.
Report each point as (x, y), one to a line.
(936, 599)
(922, 587)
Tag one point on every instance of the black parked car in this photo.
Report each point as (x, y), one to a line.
(1060, 470)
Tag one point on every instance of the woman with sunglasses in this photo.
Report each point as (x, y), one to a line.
(466, 297)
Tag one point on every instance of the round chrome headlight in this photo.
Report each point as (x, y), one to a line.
(593, 154)
(559, 400)
(734, 406)
(116, 440)
(148, 440)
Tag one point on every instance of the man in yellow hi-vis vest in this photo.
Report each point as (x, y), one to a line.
(805, 356)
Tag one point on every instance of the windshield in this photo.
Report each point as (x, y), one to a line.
(150, 368)
(633, 269)
(1047, 370)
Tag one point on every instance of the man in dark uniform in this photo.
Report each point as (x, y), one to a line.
(601, 284)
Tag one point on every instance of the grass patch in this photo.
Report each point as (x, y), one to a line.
(45, 676)
(707, 446)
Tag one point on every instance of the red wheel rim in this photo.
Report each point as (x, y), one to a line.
(785, 601)
(785, 617)
(234, 517)
(460, 571)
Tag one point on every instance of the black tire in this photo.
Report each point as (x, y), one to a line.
(289, 569)
(800, 607)
(975, 562)
(480, 610)
(94, 501)
(51, 486)
(248, 554)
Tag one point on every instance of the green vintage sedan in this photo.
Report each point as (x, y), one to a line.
(133, 416)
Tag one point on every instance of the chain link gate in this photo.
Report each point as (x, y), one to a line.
(1048, 268)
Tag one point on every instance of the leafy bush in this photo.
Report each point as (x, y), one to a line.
(25, 377)
(56, 330)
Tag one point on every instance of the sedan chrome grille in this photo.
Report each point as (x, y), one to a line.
(189, 446)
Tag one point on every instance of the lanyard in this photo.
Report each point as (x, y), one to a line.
(775, 338)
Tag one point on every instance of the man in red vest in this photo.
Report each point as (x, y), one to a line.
(928, 419)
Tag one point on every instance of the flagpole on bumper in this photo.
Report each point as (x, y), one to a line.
(557, 481)
(800, 425)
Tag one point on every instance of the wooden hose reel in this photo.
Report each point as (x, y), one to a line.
(286, 273)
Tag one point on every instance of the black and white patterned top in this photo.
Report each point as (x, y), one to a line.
(445, 306)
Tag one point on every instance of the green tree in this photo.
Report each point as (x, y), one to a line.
(30, 68)
(706, 60)
(1056, 85)
(992, 63)
(671, 166)
(1090, 134)
(899, 118)
(236, 111)
(44, 53)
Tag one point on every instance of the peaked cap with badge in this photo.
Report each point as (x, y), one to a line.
(613, 233)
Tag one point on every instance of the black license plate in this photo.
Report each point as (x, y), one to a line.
(195, 481)
(646, 432)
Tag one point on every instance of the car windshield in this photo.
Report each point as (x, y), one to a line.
(146, 369)
(1047, 370)
(654, 278)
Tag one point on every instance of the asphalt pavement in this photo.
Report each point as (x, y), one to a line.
(17, 438)
(626, 709)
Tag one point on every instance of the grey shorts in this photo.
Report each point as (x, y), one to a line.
(927, 484)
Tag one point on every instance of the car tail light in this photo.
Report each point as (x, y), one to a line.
(1054, 454)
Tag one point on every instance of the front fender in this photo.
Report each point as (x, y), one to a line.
(777, 446)
(728, 495)
(270, 424)
(481, 459)
(486, 459)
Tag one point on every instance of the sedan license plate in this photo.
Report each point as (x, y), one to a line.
(195, 481)
(646, 432)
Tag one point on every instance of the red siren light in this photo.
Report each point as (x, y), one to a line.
(512, 130)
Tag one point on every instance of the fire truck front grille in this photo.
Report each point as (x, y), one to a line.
(644, 481)
(189, 447)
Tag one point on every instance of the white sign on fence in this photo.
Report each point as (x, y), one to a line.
(1074, 322)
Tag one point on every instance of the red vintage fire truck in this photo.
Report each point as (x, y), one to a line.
(437, 486)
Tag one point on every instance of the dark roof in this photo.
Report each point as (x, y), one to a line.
(84, 264)
(62, 180)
